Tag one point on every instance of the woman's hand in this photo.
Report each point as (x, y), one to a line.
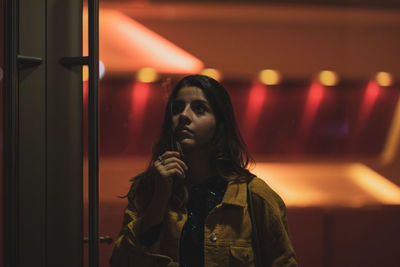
(165, 169)
(168, 166)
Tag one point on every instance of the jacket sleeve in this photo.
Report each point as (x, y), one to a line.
(129, 250)
(276, 246)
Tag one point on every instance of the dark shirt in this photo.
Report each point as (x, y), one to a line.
(202, 199)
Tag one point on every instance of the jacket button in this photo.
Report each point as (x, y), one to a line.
(213, 237)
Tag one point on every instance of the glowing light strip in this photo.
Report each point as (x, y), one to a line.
(377, 185)
(392, 141)
(328, 184)
(127, 46)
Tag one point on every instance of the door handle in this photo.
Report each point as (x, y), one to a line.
(28, 62)
(74, 61)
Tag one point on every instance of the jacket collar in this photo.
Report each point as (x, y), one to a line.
(236, 194)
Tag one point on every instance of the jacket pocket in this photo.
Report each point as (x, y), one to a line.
(241, 256)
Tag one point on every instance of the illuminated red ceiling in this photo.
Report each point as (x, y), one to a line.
(127, 46)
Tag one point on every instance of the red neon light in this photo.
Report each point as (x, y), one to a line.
(256, 100)
(140, 97)
(370, 97)
(85, 89)
(371, 94)
(314, 99)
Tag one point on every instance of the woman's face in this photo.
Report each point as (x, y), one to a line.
(193, 118)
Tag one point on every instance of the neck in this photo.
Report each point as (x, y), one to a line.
(199, 166)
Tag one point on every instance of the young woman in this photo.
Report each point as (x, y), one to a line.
(191, 207)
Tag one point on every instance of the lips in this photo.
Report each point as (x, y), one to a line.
(185, 131)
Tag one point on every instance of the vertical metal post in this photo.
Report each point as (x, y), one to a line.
(93, 9)
(11, 133)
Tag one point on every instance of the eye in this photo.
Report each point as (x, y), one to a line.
(177, 107)
(200, 108)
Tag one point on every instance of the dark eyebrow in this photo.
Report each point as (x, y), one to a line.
(199, 101)
(196, 101)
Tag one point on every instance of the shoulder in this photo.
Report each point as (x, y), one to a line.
(264, 192)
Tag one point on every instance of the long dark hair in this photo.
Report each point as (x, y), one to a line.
(229, 156)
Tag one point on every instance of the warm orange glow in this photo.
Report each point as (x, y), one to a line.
(213, 73)
(146, 75)
(299, 184)
(270, 77)
(384, 79)
(328, 78)
(127, 46)
(85, 73)
(375, 184)
(328, 184)
(392, 141)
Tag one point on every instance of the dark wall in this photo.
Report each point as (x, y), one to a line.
(341, 127)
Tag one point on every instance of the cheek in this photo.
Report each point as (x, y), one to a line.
(208, 129)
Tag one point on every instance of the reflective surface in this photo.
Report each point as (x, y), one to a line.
(323, 131)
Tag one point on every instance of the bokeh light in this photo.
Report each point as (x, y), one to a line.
(213, 73)
(328, 78)
(384, 79)
(270, 77)
(146, 75)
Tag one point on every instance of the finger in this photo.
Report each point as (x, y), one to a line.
(173, 168)
(157, 163)
(176, 165)
(169, 154)
(179, 161)
(176, 172)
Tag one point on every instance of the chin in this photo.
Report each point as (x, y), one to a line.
(187, 143)
(191, 145)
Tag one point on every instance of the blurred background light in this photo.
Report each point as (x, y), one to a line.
(314, 100)
(270, 77)
(85, 73)
(102, 69)
(146, 75)
(384, 78)
(300, 185)
(257, 97)
(328, 78)
(391, 147)
(213, 73)
(126, 46)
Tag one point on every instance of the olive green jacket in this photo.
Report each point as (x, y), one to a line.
(227, 233)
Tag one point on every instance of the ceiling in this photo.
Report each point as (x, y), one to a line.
(347, 3)
(298, 40)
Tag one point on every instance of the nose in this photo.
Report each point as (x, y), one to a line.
(185, 115)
